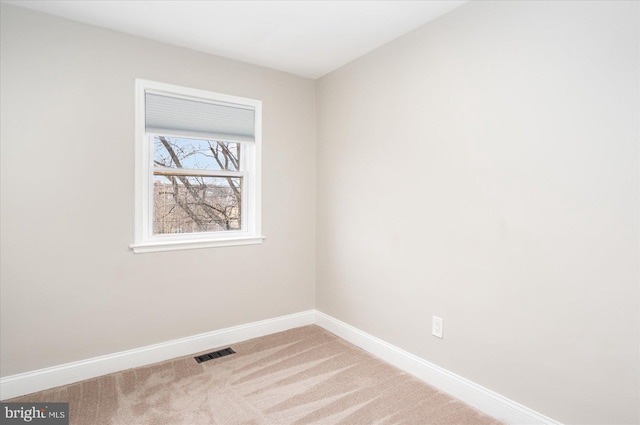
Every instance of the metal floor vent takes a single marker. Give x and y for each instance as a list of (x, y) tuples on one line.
[(214, 355)]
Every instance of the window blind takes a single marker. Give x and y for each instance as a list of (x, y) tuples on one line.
[(199, 118)]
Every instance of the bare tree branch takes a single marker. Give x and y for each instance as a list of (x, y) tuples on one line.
[(199, 211)]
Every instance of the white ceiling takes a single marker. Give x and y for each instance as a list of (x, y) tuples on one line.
[(307, 38)]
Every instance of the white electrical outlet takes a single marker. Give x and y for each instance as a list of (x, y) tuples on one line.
[(436, 326)]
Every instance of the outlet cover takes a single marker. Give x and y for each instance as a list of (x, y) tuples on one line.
[(436, 326)]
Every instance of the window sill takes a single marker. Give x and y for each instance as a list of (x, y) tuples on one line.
[(140, 248)]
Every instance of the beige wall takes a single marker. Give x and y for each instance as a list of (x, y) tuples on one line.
[(71, 288), (484, 168)]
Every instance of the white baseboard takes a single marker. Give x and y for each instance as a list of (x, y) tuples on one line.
[(489, 402), (38, 380), (483, 399)]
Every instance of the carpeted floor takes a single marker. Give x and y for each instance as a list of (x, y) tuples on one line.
[(302, 376)]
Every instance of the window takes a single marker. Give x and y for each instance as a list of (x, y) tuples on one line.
[(197, 169)]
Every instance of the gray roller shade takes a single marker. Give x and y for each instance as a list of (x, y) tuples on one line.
[(188, 117)]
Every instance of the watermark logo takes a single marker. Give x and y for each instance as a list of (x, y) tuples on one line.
[(34, 413)]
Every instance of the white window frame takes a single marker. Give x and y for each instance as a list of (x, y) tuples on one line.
[(145, 240)]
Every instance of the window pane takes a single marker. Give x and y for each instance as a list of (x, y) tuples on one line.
[(190, 204), (176, 152)]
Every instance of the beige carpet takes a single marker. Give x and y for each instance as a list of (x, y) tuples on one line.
[(302, 376)]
